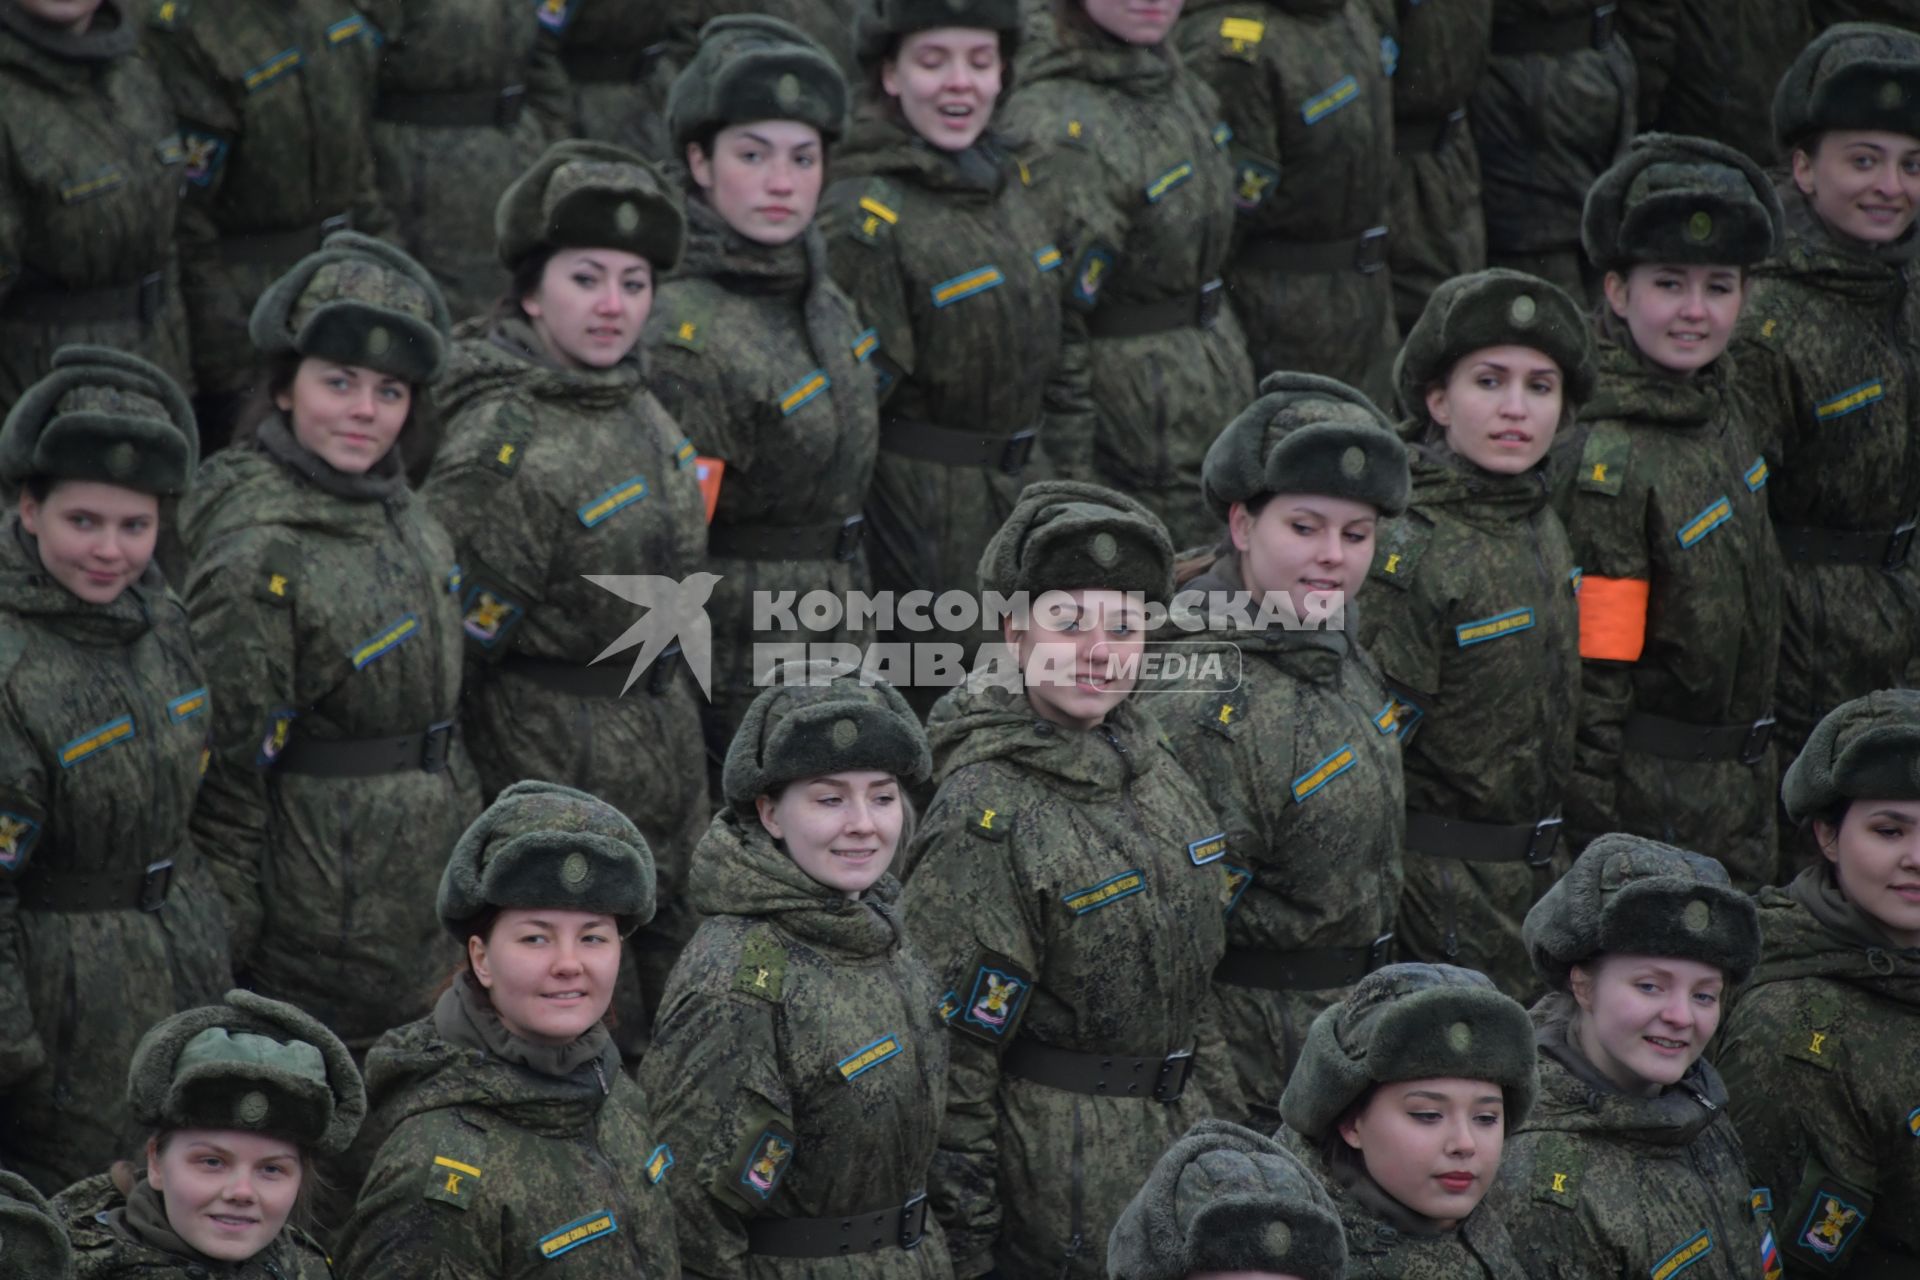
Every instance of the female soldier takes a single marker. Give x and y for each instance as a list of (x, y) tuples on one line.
[(1679, 576), (1822, 1047), (1065, 891), (319, 596), (945, 248), (1825, 349), (761, 357), (509, 1137), (108, 919), (1400, 1103), (1477, 630), (238, 1099), (800, 1063), (91, 192), (1628, 1165), (548, 407), (1300, 479), (1141, 170)]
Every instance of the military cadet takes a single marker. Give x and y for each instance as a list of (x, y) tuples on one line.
[(1476, 628), (510, 1141), (1226, 1201), (1305, 86), (1708, 68), (108, 918), (1554, 109), (238, 1100), (321, 598), (1400, 1104), (799, 1067), (275, 107), (559, 463), (1141, 169), (1066, 889), (1825, 350), (33, 1243), (1629, 1165), (1822, 1049), (89, 192), (1300, 479), (760, 357), (1680, 578), (470, 95), (616, 58)]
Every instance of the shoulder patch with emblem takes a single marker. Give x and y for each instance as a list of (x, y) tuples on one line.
[(512, 428), (762, 972), (1557, 1170), (989, 823), (1091, 267), (769, 1154), (18, 835), (274, 739), (487, 613), (994, 997), (204, 153), (875, 212), (452, 1181), (1832, 1224), (1402, 543), (556, 15), (167, 15), (1603, 463)]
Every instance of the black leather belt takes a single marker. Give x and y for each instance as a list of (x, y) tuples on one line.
[(828, 540), (1367, 254), (1420, 135), (476, 109), (47, 889), (52, 304), (599, 680), (1530, 842), (608, 66), (1556, 35), (1313, 969), (280, 248), (1678, 740), (1163, 1079), (932, 443), (1887, 548), (368, 757), (902, 1227), (1136, 319)]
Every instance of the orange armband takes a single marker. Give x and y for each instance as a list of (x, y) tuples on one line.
[(1613, 618)]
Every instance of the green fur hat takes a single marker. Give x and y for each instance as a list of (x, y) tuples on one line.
[(251, 1063), (1684, 200), (1225, 1198), (540, 844), (881, 22), (1065, 535), (102, 415), (1627, 895), (1307, 434), (357, 301), (33, 1244), (1493, 308), (822, 724), (1867, 749), (590, 195), (1411, 1022), (1853, 75), (751, 67)]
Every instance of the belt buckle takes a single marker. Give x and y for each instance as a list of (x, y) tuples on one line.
[(660, 674), (434, 747), (155, 884), (1897, 547), (851, 531), (153, 293), (1377, 950), (1165, 1087), (1019, 448), (913, 1220), (1603, 21), (1212, 295), (1753, 748), (512, 99), (1539, 853), (1370, 256)]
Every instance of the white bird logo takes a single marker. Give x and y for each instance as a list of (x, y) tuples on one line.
[(676, 610)]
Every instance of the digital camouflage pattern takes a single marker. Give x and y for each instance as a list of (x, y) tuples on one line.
[(275, 104), (617, 62), (799, 1065), (547, 475), (828, 23), (1140, 173), (1471, 616), (1825, 353), (1306, 87), (109, 1242), (430, 175), (1600, 1182), (90, 177), (767, 366), (1671, 493), (103, 722), (1067, 890), (322, 608), (1820, 1053), (1314, 861), (1708, 68)]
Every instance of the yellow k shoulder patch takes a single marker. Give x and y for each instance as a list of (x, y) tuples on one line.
[(989, 823), (451, 1181), (275, 580), (762, 972), (1604, 461)]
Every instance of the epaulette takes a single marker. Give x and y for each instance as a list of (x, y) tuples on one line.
[(762, 971), (1558, 1170), (1603, 463), (506, 443), (167, 15), (455, 1162), (277, 581), (1240, 38), (1401, 546), (989, 824), (1817, 1041), (1225, 715), (876, 212), (684, 325)]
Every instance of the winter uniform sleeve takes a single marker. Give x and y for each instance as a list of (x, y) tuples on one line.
[(1767, 394), (23, 824), (1550, 1224), (859, 226), (1078, 182), (1400, 623), (1650, 30), (427, 1209), (549, 92), (1229, 54), (695, 391), (209, 124)]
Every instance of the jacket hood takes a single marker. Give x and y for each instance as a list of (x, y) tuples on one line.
[(1631, 388), (983, 720), (1810, 930), (1576, 1098), (738, 870), (1814, 255), (28, 591), (489, 357)]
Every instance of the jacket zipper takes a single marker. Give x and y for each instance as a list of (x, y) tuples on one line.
[(1693, 1161)]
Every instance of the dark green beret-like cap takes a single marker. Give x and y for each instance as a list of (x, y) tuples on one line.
[(881, 22), (357, 301), (1307, 434), (251, 1063), (33, 1243), (1494, 308), (1853, 75), (1867, 749), (540, 844), (751, 67), (1066, 535), (1411, 1022), (1681, 200), (1224, 1198), (590, 195), (1627, 895), (102, 415), (819, 724)]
